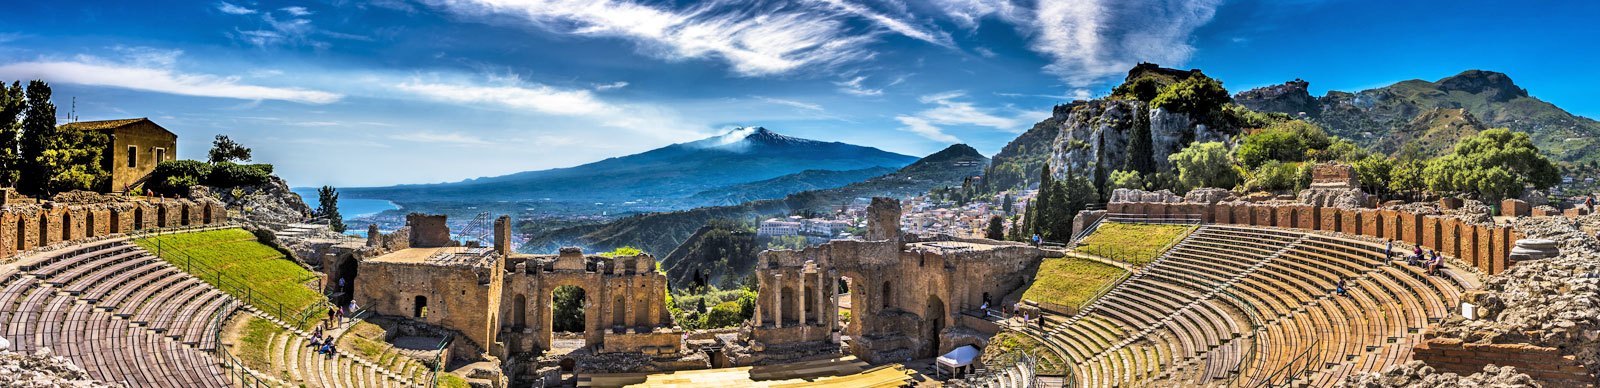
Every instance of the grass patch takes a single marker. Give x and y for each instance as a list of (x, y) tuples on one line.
[(240, 258), (1011, 341), (1137, 244), (447, 380), (255, 343), (1069, 281)]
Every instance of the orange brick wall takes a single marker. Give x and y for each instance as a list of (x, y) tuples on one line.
[(22, 231)]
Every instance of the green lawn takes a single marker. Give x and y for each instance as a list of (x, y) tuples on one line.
[(1137, 244), (1069, 281), (254, 343), (275, 281)]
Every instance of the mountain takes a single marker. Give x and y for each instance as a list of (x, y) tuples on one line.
[(784, 185), (662, 175), (660, 233), (1386, 118)]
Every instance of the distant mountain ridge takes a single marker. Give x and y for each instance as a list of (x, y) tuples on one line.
[(660, 233), (660, 176), (1434, 113)]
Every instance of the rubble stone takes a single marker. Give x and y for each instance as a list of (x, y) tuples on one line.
[(43, 370), (1416, 374)]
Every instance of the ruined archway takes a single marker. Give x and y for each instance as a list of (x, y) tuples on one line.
[(419, 307), (885, 296), (346, 282), (568, 313)]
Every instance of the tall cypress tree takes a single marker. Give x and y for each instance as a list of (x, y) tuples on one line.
[(12, 102), (328, 206), (38, 131)]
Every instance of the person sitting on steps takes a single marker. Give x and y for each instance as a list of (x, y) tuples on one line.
[(1339, 288)]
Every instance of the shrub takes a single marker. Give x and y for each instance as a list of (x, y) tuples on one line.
[(175, 176), (229, 174), (1197, 94), (723, 315)]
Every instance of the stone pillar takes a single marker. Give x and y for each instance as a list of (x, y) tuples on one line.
[(1485, 247), (8, 233), (1448, 229), (1223, 213), (1284, 214), (502, 235), (1466, 248), (1329, 219), (761, 284), (803, 295), (883, 219), (777, 301)]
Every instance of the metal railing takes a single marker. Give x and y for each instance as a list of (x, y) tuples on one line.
[(438, 361), (1289, 372), (234, 287), (1135, 218), (231, 366)]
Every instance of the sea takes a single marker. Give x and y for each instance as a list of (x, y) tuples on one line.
[(350, 208)]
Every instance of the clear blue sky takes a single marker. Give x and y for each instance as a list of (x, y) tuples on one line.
[(354, 93)]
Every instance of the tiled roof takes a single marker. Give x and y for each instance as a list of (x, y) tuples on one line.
[(102, 124)]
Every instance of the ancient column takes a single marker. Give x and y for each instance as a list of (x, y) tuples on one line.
[(777, 300), (762, 285), (803, 295)]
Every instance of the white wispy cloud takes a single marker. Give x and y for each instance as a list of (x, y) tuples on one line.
[(612, 86), (229, 8), (853, 86), (793, 103), (950, 109), (755, 38), (1090, 41), (536, 97), (900, 26), (968, 13), (296, 11), (153, 70), (923, 128), (454, 138)]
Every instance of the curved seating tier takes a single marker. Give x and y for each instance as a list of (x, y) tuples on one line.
[(292, 355), (1238, 305), (122, 314)]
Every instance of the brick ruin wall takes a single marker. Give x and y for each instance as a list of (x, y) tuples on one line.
[(1546, 364), (26, 227), (1484, 246)]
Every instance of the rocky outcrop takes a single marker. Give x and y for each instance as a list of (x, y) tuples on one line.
[(1095, 135), (1135, 195), (1171, 131), (1208, 195), (42, 370), (270, 203), (1339, 198), (1291, 97), (1416, 374), (1498, 86)]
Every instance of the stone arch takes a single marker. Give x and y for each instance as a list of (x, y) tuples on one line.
[(22, 234), (346, 281)]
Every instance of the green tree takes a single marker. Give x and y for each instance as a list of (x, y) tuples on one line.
[(725, 314), (997, 228), (1205, 165), (328, 207), (1375, 172), (12, 103), (1142, 89), (1496, 163), (567, 308), (1273, 176), (57, 159), (623, 251), (1197, 94), (1126, 179), (225, 150), (1007, 204), (1407, 176), (1141, 151)]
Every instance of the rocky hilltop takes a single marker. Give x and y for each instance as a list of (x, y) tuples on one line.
[(1100, 136), (1387, 118)]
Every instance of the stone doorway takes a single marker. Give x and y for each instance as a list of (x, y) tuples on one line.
[(933, 319)]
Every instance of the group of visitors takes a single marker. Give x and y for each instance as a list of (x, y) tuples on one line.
[(1430, 259), (323, 344), (336, 316)]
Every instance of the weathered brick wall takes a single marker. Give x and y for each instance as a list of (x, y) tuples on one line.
[(1515, 208), (1410, 226), (77, 223), (99, 221), (1349, 222), (1544, 363), (25, 228)]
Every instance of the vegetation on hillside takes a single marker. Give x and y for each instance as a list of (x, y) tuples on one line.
[(328, 207), (175, 176), (237, 255), (1069, 281), (1137, 244), (1050, 214)]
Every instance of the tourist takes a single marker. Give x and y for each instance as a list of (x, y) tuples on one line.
[(1037, 242), (316, 341), (352, 309), (985, 308), (1339, 288), (1433, 265), (1388, 251)]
